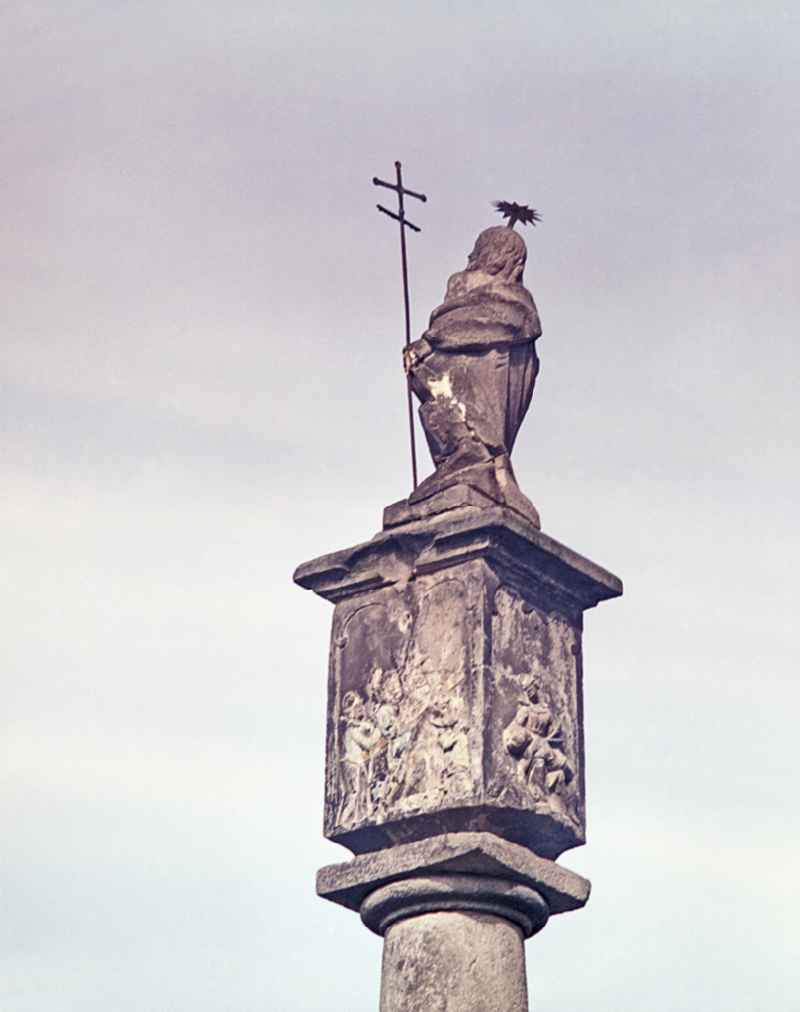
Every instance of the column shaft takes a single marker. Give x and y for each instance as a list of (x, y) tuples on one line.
[(453, 961)]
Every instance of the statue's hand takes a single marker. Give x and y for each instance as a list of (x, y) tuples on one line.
[(414, 353)]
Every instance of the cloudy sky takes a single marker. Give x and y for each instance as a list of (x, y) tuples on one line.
[(201, 323)]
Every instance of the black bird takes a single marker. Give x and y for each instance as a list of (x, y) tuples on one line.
[(517, 212)]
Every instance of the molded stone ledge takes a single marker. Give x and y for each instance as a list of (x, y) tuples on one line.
[(547, 833), (463, 894), (399, 554), (479, 854), (457, 497)]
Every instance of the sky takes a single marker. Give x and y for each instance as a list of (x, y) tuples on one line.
[(201, 329)]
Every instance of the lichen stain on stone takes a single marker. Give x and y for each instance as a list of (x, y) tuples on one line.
[(418, 978), (443, 388), (453, 962)]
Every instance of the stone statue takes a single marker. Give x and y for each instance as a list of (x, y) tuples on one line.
[(474, 371), (454, 733)]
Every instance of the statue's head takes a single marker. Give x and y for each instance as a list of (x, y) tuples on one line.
[(532, 690), (392, 687), (353, 707), (499, 251)]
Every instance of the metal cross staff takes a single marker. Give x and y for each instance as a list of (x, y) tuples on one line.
[(401, 191)]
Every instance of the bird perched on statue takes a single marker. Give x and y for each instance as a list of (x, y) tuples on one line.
[(517, 212)]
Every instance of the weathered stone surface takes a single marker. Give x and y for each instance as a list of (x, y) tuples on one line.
[(454, 760), (454, 941), (452, 961), (474, 370), (398, 554), (455, 683), (462, 498), (484, 894), (455, 854)]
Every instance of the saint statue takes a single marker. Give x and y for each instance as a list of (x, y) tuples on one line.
[(474, 371)]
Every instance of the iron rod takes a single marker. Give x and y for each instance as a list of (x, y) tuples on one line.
[(397, 217), (398, 167)]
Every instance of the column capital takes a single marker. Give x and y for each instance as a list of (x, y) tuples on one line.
[(479, 894), (359, 884)]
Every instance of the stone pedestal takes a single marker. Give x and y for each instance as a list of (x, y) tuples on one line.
[(454, 761)]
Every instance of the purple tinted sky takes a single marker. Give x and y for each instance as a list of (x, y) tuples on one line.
[(201, 329)]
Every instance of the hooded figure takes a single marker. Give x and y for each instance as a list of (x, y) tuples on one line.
[(474, 370)]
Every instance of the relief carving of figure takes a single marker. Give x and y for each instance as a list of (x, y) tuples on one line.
[(474, 371), (400, 753), (535, 739), (449, 718), (388, 768), (361, 737)]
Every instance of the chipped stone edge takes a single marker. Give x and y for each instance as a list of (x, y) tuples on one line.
[(398, 554), (349, 883)]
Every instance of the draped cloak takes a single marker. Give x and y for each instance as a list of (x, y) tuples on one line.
[(474, 370)]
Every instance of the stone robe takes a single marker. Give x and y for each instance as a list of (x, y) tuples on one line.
[(474, 370)]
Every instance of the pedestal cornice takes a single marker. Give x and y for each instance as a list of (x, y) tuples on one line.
[(520, 551)]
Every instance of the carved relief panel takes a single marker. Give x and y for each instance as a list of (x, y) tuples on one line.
[(534, 723), (454, 705), (402, 740)]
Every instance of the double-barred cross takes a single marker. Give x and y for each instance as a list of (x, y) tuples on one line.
[(401, 192)]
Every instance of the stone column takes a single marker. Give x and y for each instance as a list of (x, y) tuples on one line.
[(454, 941), (451, 942), (454, 911), (455, 766)]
